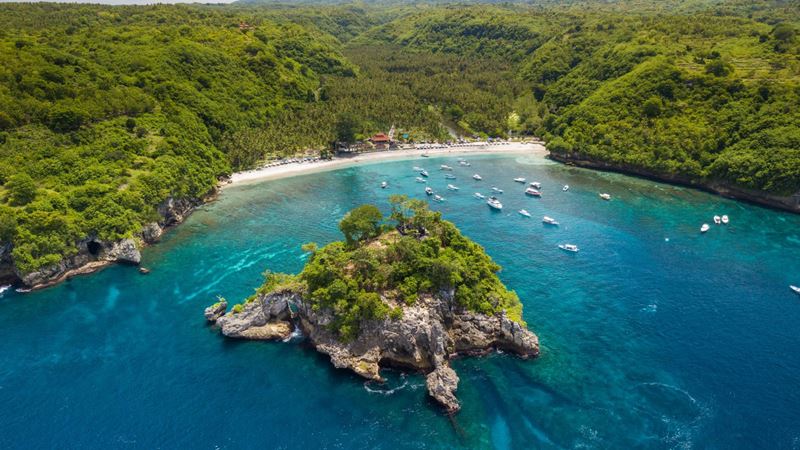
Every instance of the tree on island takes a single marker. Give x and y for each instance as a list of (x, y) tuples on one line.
[(361, 224)]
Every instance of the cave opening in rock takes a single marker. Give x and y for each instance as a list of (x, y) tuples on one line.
[(94, 248)]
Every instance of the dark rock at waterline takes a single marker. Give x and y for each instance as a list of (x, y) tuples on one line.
[(216, 310), (425, 338)]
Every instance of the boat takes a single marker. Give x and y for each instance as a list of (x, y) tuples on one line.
[(494, 203), (725, 220), (450, 177), (533, 192), (452, 188), (425, 155), (479, 195), (421, 180), (438, 198), (497, 190), (569, 247), (519, 180), (477, 177), (424, 173), (418, 169), (536, 185), (565, 188), (384, 185), (524, 213), (445, 167), (464, 163), (549, 220), (605, 196), (717, 220), (429, 191), (794, 288), (704, 228)]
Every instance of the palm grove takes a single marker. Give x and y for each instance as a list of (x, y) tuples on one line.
[(106, 112)]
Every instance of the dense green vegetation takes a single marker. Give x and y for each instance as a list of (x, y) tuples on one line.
[(105, 112), (386, 262)]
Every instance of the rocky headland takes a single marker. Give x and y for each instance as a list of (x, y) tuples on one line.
[(353, 302)]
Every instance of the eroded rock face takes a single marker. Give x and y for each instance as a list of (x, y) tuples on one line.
[(430, 333), (216, 310)]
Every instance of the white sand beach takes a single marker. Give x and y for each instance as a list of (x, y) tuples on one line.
[(298, 168)]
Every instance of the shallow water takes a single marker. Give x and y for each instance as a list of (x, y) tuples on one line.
[(653, 336)]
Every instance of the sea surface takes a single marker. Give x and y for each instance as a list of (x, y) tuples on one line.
[(653, 335)]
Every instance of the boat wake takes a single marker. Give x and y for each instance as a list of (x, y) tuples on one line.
[(296, 334)]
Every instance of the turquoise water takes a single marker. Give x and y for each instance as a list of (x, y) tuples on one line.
[(653, 336)]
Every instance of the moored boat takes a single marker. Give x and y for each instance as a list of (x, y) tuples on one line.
[(497, 190), (717, 220), (464, 163), (704, 228), (569, 247), (477, 177), (536, 185), (438, 198), (421, 180), (725, 220), (523, 212), (450, 177), (429, 191), (533, 192), (424, 173), (445, 167), (452, 188), (494, 203), (549, 220), (519, 180), (418, 169), (794, 288), (479, 195), (605, 196), (384, 184), (565, 188)]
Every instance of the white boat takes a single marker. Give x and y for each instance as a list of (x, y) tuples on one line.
[(794, 288), (533, 192), (452, 188), (494, 203), (605, 196), (549, 220), (479, 195), (438, 198), (497, 190), (418, 169), (717, 220), (445, 167), (569, 247), (450, 177), (704, 228), (424, 173), (421, 180), (524, 213), (464, 163), (519, 180), (565, 188), (429, 191), (536, 185), (725, 220), (477, 177), (384, 185)]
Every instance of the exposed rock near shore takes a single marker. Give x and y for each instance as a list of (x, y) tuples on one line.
[(429, 334), (789, 203), (93, 254)]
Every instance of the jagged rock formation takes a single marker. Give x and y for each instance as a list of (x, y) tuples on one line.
[(428, 335)]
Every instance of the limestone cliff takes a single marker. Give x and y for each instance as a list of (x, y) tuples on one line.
[(429, 334)]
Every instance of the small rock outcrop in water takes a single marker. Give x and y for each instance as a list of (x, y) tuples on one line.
[(423, 329)]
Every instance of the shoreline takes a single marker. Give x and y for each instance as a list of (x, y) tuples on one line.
[(302, 168)]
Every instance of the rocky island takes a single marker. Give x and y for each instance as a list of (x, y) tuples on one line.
[(408, 291)]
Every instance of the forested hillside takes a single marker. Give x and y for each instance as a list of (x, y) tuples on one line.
[(106, 112)]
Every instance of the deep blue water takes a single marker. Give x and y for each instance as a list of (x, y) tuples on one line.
[(653, 336)]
